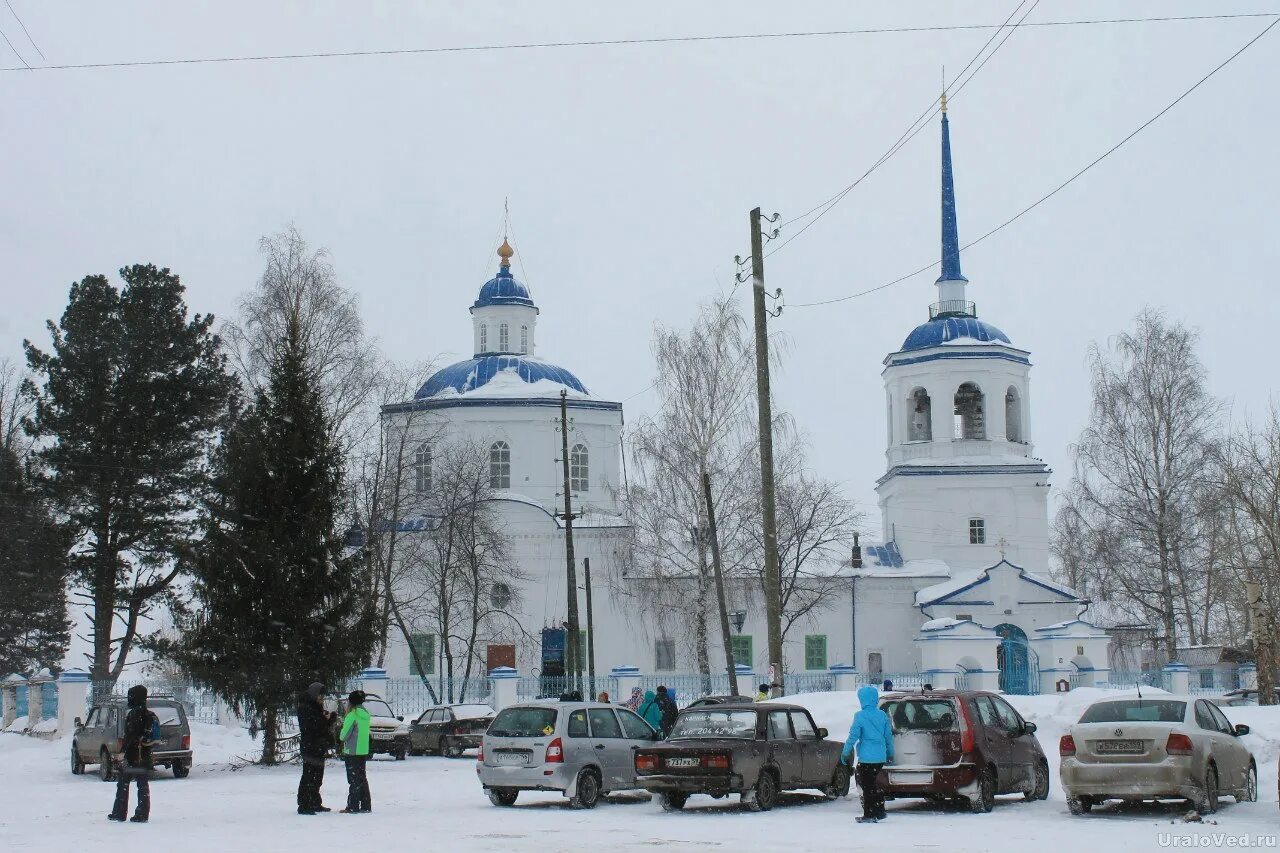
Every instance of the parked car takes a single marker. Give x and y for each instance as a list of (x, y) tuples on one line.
[(1243, 696), (721, 700), (388, 734), (960, 744), (1164, 747), (449, 729), (582, 749), (99, 738), (754, 750)]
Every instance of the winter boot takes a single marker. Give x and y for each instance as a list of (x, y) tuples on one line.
[(137, 819), (867, 819)]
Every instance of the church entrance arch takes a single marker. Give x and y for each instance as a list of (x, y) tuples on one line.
[(1018, 663)]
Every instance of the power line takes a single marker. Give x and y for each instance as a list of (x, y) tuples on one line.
[(280, 57), (1060, 186), (15, 53), (14, 12)]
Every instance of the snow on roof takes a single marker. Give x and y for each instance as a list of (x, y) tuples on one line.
[(507, 383), (909, 569), (950, 587), (942, 624)]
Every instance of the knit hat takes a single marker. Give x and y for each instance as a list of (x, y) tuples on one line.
[(315, 690)]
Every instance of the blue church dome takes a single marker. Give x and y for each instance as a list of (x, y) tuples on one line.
[(946, 329), (467, 376), (503, 288)]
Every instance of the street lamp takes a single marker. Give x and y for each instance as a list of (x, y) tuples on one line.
[(737, 620)]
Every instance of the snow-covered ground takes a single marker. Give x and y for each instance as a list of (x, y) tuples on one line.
[(436, 804)]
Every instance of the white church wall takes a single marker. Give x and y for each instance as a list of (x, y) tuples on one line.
[(887, 622), (1007, 598)]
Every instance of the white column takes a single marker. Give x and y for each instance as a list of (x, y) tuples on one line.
[(73, 697), (503, 684), (1179, 675), (844, 677), (627, 677), (1249, 675), (373, 679), (227, 718)]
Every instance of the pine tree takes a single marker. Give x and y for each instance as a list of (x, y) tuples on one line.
[(132, 395), (34, 629), (278, 606)]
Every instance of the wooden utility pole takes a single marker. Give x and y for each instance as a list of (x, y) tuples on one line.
[(725, 637), (772, 582), (591, 634), (573, 668)]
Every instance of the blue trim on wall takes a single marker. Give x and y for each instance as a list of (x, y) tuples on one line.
[(908, 470), (499, 402), (892, 360)]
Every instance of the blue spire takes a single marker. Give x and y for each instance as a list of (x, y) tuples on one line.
[(950, 235)]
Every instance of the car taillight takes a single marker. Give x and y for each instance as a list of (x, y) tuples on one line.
[(966, 727), (480, 751), (716, 762), (555, 752), (186, 741), (646, 762), (1178, 744), (1067, 745)]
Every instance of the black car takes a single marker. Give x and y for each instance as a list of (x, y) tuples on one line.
[(756, 750), (449, 729), (721, 700)]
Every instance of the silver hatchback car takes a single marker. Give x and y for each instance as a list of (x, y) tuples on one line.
[(582, 749)]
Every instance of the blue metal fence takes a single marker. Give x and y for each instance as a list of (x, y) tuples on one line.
[(807, 682), (49, 700), (20, 700), (1127, 680), (408, 697), (533, 687)]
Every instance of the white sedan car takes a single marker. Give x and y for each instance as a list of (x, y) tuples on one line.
[(1161, 747)]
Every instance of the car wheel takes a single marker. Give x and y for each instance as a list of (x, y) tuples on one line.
[(1206, 802), (77, 766), (985, 799), (587, 792), (1250, 792), (106, 770), (502, 796), (1040, 791), (181, 769), (765, 793), (839, 786), (1079, 805), (451, 748), (673, 801)]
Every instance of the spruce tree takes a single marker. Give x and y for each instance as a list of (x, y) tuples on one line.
[(34, 629), (278, 607), (131, 397)]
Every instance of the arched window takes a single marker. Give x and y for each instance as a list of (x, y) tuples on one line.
[(579, 474), (969, 420), (500, 465), (524, 339), (422, 469), (1012, 415), (484, 337), (502, 338), (920, 416), (500, 596)]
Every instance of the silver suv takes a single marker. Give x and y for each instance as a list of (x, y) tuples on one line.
[(582, 749)]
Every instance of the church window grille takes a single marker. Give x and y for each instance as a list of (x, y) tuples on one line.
[(422, 470), (969, 421), (579, 470), (664, 655), (500, 465), (503, 338), (500, 596), (524, 339), (484, 337), (977, 531), (920, 417), (815, 651), (1013, 415)]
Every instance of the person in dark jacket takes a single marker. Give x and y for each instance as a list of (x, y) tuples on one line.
[(315, 735), (140, 729), (667, 705)]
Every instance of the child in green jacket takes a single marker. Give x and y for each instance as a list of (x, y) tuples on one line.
[(354, 737)]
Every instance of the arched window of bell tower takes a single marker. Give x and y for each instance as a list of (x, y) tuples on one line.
[(919, 416), (1013, 415), (970, 422)]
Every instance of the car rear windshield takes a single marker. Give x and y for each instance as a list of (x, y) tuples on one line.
[(471, 712), (523, 722), (168, 715), (1136, 711), (377, 708), (707, 722), (929, 715)]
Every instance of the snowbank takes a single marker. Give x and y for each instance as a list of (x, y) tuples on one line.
[(19, 725)]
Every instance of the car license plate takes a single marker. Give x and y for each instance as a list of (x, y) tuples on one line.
[(910, 777), (683, 762), (1121, 747), (508, 759), (382, 735)]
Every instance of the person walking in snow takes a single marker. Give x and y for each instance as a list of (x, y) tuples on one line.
[(651, 711), (355, 752), (872, 735), (141, 730), (637, 696), (667, 705), (315, 734)]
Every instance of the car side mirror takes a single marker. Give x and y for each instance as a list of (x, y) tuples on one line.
[(1241, 729), (401, 719), (1029, 728), (78, 723), (822, 734)]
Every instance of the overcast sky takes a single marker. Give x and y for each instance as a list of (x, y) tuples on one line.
[(631, 169)]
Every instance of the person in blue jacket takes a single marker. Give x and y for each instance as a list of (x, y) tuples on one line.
[(872, 735)]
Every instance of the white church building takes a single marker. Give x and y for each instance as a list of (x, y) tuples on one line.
[(958, 593)]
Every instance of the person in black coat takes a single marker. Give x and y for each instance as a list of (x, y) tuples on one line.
[(315, 736), (140, 726), (667, 706)]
